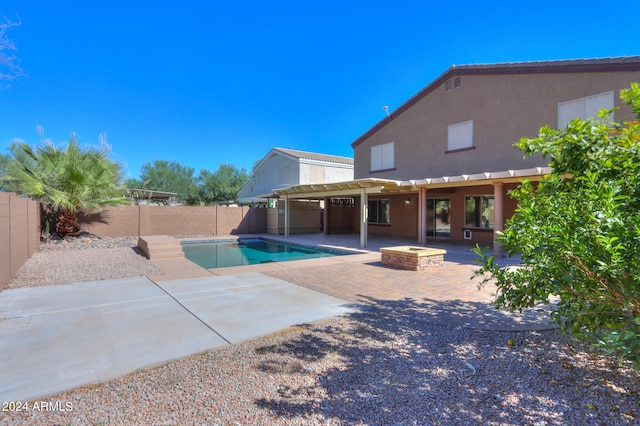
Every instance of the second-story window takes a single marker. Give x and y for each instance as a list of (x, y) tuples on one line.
[(584, 108), (460, 136), (382, 157)]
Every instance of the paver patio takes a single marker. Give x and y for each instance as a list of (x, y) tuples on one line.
[(445, 295)]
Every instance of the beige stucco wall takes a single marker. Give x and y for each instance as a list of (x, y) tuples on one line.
[(503, 108)]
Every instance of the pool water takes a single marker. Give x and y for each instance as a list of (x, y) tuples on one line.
[(249, 252)]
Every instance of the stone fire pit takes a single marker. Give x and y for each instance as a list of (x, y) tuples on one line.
[(412, 258)]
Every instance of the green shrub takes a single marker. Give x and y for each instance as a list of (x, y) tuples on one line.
[(578, 232)]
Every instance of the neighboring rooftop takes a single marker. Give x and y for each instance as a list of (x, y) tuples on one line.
[(314, 156), (150, 195)]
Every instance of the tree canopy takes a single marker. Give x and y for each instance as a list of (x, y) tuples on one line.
[(4, 162), (222, 185), (170, 176), (578, 232), (9, 65)]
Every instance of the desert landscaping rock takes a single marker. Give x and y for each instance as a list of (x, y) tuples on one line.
[(380, 366), (83, 259)]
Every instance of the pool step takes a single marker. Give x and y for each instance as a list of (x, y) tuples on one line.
[(160, 247)]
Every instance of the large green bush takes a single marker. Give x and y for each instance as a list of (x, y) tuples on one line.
[(578, 232)]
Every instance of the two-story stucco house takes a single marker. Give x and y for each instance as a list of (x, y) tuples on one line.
[(441, 164)]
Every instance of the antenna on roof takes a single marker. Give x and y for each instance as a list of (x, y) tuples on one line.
[(386, 109)]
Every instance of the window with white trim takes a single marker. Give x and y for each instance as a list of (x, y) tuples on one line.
[(382, 156), (460, 136), (584, 108), (378, 211)]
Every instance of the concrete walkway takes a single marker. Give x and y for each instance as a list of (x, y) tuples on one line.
[(59, 337)]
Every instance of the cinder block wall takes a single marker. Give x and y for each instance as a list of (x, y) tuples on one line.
[(176, 220), (20, 225), (116, 222), (19, 233)]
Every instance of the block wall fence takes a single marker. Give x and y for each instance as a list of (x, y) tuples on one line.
[(21, 224), (19, 233), (175, 220)]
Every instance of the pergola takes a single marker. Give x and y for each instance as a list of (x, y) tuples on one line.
[(366, 186), (358, 187)]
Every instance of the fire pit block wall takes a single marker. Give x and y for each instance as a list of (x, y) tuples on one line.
[(412, 258)]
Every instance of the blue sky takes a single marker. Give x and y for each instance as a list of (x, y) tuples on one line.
[(209, 82)]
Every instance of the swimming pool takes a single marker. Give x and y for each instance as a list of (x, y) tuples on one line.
[(249, 252)]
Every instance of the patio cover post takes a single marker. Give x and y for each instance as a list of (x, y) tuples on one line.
[(364, 215), (422, 216), (325, 216), (498, 217), (286, 215)]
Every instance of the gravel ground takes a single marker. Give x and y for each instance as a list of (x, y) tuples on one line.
[(93, 259), (381, 366)]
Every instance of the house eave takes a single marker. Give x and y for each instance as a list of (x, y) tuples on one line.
[(617, 64)]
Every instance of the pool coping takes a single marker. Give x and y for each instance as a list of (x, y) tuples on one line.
[(180, 268), (338, 251)]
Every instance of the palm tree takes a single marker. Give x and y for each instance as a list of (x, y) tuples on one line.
[(66, 180)]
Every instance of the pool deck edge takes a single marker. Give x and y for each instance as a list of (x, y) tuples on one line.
[(181, 268)]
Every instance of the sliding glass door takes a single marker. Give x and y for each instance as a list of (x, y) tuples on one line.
[(438, 224)]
